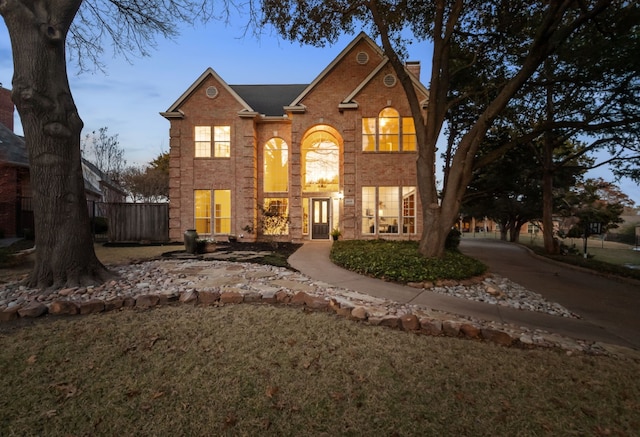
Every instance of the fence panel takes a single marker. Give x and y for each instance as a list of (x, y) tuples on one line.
[(137, 221)]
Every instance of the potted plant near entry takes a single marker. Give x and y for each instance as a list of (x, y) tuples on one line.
[(335, 233)]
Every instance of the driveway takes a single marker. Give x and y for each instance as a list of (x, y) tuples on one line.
[(612, 304)]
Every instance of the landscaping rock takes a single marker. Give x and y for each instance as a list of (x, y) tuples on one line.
[(495, 336), (146, 301), (451, 328), (34, 309), (231, 297), (8, 314), (206, 297), (431, 326), (410, 322), (470, 331), (190, 296), (63, 307), (359, 313), (92, 306)]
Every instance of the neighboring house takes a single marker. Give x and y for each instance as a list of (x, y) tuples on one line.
[(15, 209), (99, 187), (16, 213), (339, 152)]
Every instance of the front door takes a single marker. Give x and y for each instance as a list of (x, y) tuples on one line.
[(320, 219)]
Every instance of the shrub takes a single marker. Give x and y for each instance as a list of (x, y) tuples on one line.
[(453, 240), (400, 261)]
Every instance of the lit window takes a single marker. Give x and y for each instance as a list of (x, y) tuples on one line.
[(382, 208), (202, 211), (320, 161), (275, 217), (222, 141), (202, 141), (388, 210), (408, 210), (276, 166), (222, 211), (305, 217), (409, 140), (388, 132), (369, 134), (368, 210)]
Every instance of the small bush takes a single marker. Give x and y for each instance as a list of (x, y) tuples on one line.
[(453, 240), (100, 225), (400, 261)]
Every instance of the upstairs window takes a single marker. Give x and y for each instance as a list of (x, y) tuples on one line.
[(388, 132), (221, 141), (203, 141)]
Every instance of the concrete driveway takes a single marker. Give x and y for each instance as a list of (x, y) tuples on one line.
[(609, 303)]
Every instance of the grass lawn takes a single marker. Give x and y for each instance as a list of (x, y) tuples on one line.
[(263, 370)]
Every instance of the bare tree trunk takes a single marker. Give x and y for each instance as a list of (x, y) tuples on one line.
[(52, 128)]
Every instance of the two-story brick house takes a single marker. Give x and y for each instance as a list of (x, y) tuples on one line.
[(339, 152)]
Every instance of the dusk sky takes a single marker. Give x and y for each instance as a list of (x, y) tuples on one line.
[(128, 97)]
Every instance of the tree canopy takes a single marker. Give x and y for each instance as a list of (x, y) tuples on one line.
[(485, 54)]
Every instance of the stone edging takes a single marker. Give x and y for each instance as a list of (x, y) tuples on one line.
[(420, 324)]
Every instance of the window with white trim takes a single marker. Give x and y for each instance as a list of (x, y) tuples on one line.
[(388, 132), (388, 210), (221, 141)]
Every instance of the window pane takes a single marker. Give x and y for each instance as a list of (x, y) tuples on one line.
[(275, 218), (202, 211), (276, 166), (409, 140), (388, 209), (305, 216), (202, 136), (389, 129), (222, 141), (368, 210), (408, 210), (320, 162), (222, 211), (369, 134)]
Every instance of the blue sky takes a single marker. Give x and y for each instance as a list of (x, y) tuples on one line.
[(127, 97)]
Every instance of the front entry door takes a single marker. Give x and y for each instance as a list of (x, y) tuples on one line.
[(320, 219)]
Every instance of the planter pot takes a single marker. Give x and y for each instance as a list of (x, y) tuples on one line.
[(191, 241)]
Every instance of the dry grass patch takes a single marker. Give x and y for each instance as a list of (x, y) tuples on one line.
[(262, 370)]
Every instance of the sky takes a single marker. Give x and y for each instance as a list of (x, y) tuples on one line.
[(128, 96)]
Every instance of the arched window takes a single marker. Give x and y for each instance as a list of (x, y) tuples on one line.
[(320, 160), (276, 166), (388, 132)]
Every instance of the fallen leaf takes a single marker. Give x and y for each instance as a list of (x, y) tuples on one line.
[(50, 413), (32, 359), (230, 420), (157, 395), (271, 391)]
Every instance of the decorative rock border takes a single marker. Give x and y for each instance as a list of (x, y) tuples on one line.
[(219, 283)]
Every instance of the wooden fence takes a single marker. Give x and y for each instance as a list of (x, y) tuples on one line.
[(136, 221)]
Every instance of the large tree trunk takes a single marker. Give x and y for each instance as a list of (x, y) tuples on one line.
[(52, 128), (550, 246)]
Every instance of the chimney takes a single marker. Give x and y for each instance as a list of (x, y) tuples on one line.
[(6, 108), (414, 68)]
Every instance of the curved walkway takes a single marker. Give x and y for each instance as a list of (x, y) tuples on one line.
[(609, 308)]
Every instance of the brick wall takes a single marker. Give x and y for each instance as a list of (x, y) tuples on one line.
[(242, 173), (6, 108)]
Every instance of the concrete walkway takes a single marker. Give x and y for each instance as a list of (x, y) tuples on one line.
[(609, 308)]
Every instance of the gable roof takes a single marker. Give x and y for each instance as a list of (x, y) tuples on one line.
[(295, 105), (269, 100), (349, 103), (174, 110), (12, 148)]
